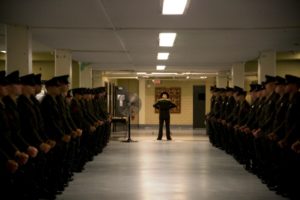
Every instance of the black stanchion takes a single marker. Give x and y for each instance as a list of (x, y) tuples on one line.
[(129, 131)]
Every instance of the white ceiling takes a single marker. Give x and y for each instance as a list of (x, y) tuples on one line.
[(123, 34)]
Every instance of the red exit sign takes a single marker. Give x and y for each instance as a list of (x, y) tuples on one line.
[(156, 81)]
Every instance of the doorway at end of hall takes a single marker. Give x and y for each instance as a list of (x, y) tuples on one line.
[(198, 106)]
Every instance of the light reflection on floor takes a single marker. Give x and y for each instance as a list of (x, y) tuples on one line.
[(186, 168)]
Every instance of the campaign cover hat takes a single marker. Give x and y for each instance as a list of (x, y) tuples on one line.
[(280, 80), (291, 79), (51, 82), (3, 80), (270, 79), (13, 77), (63, 79), (28, 79), (38, 79)]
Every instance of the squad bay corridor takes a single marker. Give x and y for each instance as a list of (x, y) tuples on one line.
[(186, 168)]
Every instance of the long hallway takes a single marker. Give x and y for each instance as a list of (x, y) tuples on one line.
[(183, 169)]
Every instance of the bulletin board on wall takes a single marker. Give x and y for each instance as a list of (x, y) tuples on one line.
[(175, 97)]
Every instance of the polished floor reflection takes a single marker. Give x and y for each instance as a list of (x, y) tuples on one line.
[(186, 168)]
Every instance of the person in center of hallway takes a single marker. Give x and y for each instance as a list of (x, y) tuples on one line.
[(164, 105)]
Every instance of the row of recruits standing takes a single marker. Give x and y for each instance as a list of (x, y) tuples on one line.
[(263, 136), (43, 142)]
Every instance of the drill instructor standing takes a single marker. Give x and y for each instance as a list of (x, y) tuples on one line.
[(164, 105)]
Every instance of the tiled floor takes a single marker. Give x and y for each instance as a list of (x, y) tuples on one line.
[(186, 168)]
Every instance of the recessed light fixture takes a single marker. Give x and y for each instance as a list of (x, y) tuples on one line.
[(160, 67), (174, 7), (3, 51), (166, 39), (162, 56), (203, 77)]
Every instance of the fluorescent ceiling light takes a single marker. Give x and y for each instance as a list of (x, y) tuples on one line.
[(198, 73), (166, 39), (162, 56), (124, 77), (160, 67), (163, 73), (3, 51), (203, 77), (141, 73), (118, 73), (174, 7)]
